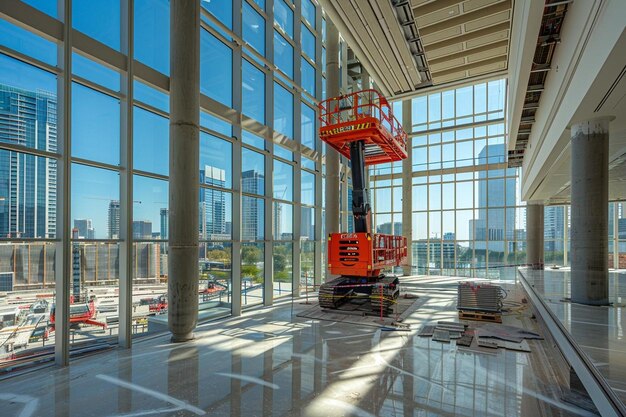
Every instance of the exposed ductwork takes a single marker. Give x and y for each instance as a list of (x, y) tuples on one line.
[(549, 37)]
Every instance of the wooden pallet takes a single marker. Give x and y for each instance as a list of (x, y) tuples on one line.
[(480, 316)]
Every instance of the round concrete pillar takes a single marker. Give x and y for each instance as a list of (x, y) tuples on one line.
[(590, 192), (534, 236), (184, 169)]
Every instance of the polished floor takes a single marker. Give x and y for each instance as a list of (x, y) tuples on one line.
[(272, 363), (599, 331)]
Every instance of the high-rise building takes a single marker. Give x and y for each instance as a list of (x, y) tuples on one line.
[(85, 229), (449, 236), (389, 228), (277, 226), (114, 219), (164, 223), (252, 222), (212, 204), (307, 228), (494, 222), (28, 184), (553, 232), (142, 229)]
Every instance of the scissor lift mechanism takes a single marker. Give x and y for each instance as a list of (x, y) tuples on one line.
[(361, 126)]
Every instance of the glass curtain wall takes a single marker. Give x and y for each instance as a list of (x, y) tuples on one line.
[(107, 113), (557, 235), (468, 219)]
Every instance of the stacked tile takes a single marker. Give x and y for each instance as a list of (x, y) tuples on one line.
[(479, 297)]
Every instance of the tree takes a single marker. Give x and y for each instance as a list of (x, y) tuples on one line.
[(250, 254), (280, 262), (251, 271), (282, 276)]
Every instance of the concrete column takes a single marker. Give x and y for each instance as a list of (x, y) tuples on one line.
[(590, 196), (332, 156), (534, 236), (184, 168), (63, 254), (407, 188)]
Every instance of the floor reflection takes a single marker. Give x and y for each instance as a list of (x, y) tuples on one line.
[(272, 363), (598, 330)]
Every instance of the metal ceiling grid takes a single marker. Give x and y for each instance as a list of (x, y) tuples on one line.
[(463, 39)]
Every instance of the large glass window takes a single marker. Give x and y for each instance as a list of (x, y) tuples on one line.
[(283, 15), (150, 208), (307, 223), (252, 140), (216, 124), (221, 9), (253, 172), (215, 209), (216, 161), (308, 133), (92, 71), (252, 273), (283, 269), (464, 222), (308, 77), (98, 19), (253, 91), (100, 172), (95, 125), (215, 279), (253, 28), (27, 43), (28, 190), (252, 218), (216, 81), (49, 7), (308, 12), (308, 42), (308, 188), (95, 199), (283, 181), (283, 54), (151, 142), (283, 110), (28, 99), (151, 96), (152, 34), (282, 221)]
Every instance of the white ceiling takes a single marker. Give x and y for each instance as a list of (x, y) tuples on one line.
[(605, 97), (461, 39)]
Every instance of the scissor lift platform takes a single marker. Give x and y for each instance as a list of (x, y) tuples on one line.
[(366, 116)]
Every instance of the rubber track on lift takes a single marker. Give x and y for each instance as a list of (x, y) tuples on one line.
[(389, 285), (332, 294)]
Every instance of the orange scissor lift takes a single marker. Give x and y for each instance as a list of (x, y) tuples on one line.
[(361, 126)]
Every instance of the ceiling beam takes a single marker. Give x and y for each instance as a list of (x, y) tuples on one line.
[(473, 65), (465, 18), (466, 52), (468, 36), (433, 6), (337, 15)]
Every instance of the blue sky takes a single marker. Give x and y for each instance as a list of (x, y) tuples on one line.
[(96, 133), (96, 116)]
